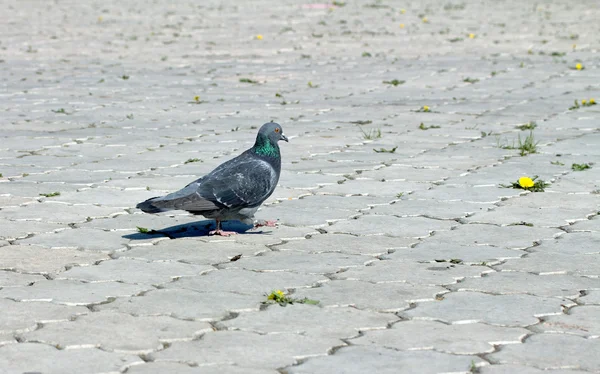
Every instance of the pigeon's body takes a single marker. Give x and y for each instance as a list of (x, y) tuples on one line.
[(235, 189)]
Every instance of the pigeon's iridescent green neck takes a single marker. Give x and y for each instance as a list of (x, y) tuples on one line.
[(265, 147)]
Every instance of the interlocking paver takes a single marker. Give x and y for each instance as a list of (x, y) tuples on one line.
[(577, 352), (250, 349), (464, 339), (405, 121), (502, 310), (360, 359), (118, 332)]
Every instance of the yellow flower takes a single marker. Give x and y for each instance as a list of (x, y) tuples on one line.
[(425, 20), (579, 66), (401, 25), (425, 108), (583, 102), (276, 295), (526, 182), (402, 11), (196, 98), (471, 36), (592, 101), (259, 37)]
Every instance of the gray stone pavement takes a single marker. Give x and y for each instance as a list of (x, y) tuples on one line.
[(420, 260)]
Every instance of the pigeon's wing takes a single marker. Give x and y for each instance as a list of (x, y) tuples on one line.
[(187, 198), (244, 182)]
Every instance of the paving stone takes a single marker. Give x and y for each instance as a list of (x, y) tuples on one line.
[(84, 239), (69, 292), (118, 332), (367, 187), (17, 358), (179, 368), (357, 359), (558, 263), (20, 317), (512, 237), (437, 251), (185, 304), (12, 279), (193, 251), (12, 230), (501, 310), (510, 368), (462, 339), (430, 208), (349, 244), (303, 213), (575, 352), (42, 260), (581, 321), (309, 263), (131, 222), (412, 272), (391, 297), (272, 350), (509, 282), (57, 213), (591, 297), (247, 282), (469, 194), (134, 271), (310, 320), (410, 227)]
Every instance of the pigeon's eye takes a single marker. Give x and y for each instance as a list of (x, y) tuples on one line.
[(277, 129)]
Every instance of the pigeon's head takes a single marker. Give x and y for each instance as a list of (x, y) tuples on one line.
[(273, 132)]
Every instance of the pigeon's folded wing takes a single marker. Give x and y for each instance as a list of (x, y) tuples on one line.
[(245, 183)]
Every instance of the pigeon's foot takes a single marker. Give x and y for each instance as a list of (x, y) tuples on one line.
[(222, 233), (261, 223)]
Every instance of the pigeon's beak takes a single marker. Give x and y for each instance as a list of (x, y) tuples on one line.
[(283, 137)]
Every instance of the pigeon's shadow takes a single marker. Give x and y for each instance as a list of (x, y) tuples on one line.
[(192, 229)]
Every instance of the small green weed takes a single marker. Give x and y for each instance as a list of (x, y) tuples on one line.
[(423, 127), (51, 194), (383, 150), (580, 167), (394, 82)]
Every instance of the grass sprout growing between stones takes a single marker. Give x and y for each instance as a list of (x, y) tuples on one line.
[(557, 163), (248, 80), (528, 184), (470, 80), (372, 134), (528, 126), (423, 127), (581, 167), (190, 160), (394, 82), (279, 297), (51, 194), (383, 150), (143, 230), (527, 146)]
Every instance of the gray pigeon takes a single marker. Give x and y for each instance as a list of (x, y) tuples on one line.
[(235, 189)]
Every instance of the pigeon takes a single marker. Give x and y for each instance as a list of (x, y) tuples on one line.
[(235, 189)]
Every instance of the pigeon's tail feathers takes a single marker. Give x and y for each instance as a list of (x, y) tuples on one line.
[(152, 206)]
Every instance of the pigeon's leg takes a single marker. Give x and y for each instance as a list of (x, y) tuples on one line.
[(218, 231), (262, 222)]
